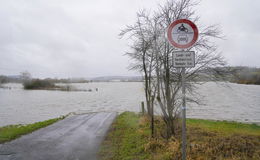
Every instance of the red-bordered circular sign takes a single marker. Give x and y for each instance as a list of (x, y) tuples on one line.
[(182, 33)]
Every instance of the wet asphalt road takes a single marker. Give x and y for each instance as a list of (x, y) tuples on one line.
[(75, 138)]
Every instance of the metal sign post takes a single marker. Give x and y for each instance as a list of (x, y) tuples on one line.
[(183, 114), (183, 34)]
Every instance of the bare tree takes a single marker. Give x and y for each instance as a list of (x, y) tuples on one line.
[(25, 76), (144, 57), (153, 54)]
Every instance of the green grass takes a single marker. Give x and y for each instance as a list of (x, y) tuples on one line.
[(129, 139), (8, 133), (225, 127), (124, 142)]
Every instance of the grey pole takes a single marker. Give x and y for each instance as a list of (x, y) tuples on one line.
[(183, 114)]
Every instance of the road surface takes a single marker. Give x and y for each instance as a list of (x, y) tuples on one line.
[(75, 138)]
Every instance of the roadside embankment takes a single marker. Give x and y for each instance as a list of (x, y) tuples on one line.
[(10, 132), (129, 138)]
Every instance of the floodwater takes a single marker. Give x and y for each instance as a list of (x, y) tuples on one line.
[(234, 102)]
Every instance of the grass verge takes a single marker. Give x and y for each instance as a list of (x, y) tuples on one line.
[(225, 127), (129, 139), (8, 133)]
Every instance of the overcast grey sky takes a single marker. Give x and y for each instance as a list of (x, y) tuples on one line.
[(79, 38)]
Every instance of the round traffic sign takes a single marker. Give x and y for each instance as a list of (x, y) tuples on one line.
[(182, 33)]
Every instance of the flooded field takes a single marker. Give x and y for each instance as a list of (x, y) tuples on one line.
[(233, 102)]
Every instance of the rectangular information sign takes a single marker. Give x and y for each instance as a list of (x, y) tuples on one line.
[(183, 59)]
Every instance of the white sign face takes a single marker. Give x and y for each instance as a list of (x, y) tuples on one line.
[(183, 59), (182, 33)]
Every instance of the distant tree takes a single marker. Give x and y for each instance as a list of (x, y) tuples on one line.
[(3, 79), (25, 76)]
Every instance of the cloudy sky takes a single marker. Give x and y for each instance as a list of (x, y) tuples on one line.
[(79, 38)]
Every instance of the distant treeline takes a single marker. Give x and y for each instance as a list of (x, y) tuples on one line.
[(239, 74), (20, 79), (246, 75), (7, 79)]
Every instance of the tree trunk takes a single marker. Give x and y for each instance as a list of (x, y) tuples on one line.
[(170, 128)]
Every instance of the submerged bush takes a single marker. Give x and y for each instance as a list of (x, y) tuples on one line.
[(38, 84)]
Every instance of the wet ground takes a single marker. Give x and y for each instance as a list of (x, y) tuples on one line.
[(76, 137)]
